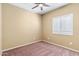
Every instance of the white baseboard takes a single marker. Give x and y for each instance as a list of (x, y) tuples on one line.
[(39, 41), (20, 46), (62, 46)]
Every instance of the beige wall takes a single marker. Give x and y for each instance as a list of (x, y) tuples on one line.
[(0, 29), (62, 39), (19, 26), (23, 27)]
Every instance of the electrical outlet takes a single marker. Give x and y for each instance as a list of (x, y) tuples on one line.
[(48, 38), (70, 43)]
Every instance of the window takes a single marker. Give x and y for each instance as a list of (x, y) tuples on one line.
[(63, 24)]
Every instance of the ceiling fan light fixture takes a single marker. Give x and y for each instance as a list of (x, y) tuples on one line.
[(40, 5)]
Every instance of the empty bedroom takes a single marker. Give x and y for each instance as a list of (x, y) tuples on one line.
[(39, 29)]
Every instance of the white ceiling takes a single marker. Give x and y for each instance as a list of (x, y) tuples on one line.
[(28, 6)]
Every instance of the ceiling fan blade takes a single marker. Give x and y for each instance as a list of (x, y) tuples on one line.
[(45, 5), (41, 8), (35, 6)]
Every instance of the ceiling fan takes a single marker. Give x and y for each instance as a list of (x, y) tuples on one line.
[(41, 5)]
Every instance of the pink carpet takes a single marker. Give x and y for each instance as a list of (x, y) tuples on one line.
[(40, 49)]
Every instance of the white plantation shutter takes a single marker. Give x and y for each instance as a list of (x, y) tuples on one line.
[(63, 24), (56, 25)]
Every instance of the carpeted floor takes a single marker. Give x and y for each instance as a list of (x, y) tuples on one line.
[(40, 49)]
